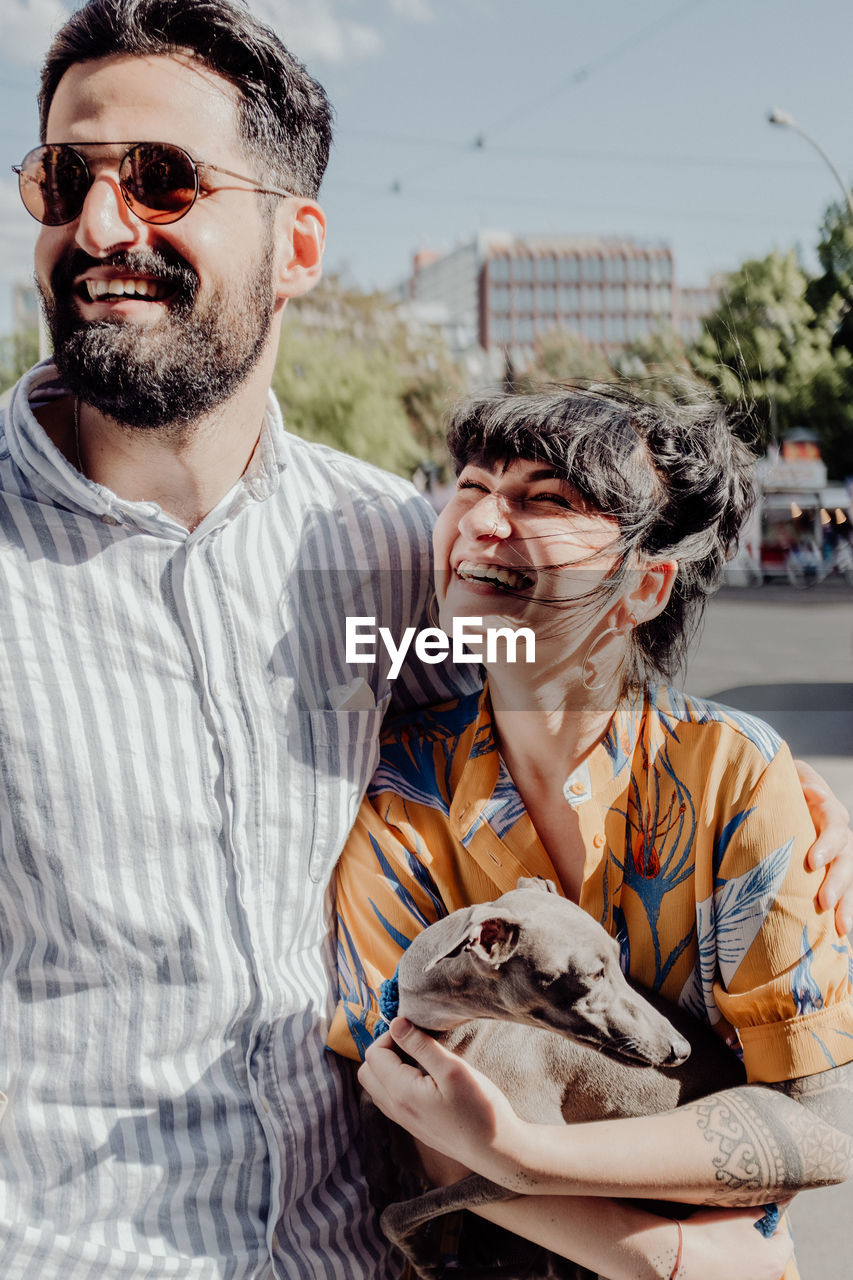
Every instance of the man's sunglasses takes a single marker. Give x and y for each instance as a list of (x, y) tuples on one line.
[(158, 180)]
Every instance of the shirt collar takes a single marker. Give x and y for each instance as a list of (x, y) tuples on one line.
[(50, 472), (600, 776)]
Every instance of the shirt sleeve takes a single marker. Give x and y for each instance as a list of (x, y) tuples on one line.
[(384, 896), (784, 977)]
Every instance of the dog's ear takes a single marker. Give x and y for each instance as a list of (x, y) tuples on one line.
[(494, 940), (537, 882)]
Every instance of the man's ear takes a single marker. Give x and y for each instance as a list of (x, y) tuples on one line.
[(650, 595), (301, 244)]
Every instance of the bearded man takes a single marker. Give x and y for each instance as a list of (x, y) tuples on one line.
[(184, 746)]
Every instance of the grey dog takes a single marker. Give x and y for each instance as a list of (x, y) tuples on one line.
[(529, 990)]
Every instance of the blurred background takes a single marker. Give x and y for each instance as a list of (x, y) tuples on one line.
[(562, 189)]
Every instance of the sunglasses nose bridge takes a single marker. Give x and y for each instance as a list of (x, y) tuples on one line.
[(106, 221)]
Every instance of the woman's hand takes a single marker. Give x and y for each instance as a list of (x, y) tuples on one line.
[(725, 1242), (454, 1109), (833, 847)]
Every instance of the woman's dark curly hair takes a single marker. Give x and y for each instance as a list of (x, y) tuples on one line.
[(675, 477)]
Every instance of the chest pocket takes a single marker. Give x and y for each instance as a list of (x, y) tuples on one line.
[(346, 750)]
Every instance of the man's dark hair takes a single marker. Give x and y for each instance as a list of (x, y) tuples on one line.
[(676, 478), (285, 118)]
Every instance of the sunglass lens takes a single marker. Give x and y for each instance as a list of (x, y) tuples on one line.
[(53, 183), (159, 181)]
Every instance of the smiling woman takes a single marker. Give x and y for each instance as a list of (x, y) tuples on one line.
[(602, 522)]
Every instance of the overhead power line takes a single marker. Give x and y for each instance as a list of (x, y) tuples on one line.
[(578, 76)]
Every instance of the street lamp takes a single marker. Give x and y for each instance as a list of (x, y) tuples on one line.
[(784, 118)]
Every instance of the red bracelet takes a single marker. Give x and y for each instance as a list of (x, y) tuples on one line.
[(677, 1266)]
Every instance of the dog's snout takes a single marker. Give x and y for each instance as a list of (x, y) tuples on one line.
[(678, 1053)]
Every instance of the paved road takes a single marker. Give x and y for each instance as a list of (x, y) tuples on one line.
[(788, 656)]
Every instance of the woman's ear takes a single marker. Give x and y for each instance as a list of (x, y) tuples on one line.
[(653, 587), (302, 239)]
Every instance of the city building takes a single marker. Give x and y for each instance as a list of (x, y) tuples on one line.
[(506, 292)]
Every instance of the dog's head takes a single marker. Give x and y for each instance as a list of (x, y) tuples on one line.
[(533, 957)]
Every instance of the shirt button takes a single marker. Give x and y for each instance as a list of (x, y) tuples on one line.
[(598, 839), (577, 788), (265, 1104), (275, 1241)]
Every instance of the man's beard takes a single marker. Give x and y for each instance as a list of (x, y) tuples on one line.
[(171, 372)]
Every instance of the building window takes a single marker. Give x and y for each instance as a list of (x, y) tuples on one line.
[(661, 300), (499, 298), (523, 331), (499, 332), (592, 269), (615, 296), (639, 270), (546, 298), (546, 269), (522, 297), (592, 297), (661, 270), (614, 269), (569, 298), (522, 269), (569, 270), (544, 324), (499, 270), (615, 328), (591, 328)]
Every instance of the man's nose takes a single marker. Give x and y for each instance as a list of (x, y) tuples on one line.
[(106, 223), (488, 518)]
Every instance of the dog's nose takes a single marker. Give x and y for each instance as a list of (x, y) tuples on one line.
[(679, 1052)]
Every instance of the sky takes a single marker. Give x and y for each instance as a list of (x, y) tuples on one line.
[(612, 118)]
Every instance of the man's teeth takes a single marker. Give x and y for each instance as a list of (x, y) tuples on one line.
[(124, 289), (473, 572)]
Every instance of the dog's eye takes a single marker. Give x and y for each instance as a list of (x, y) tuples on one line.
[(596, 975)]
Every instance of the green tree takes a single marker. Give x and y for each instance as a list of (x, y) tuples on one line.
[(660, 364), (831, 292), (562, 356), (353, 374), (18, 352), (339, 394), (766, 346)]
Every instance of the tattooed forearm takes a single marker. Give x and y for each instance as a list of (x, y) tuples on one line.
[(828, 1096), (775, 1141)]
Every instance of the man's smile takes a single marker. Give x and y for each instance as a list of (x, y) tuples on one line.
[(100, 290)]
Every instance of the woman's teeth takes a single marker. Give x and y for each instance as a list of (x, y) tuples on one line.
[(470, 571), (97, 289)]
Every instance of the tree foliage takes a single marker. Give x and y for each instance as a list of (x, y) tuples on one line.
[(766, 345), (353, 374), (18, 352), (563, 356)]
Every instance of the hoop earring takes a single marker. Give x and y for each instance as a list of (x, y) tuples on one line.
[(432, 611), (623, 631)]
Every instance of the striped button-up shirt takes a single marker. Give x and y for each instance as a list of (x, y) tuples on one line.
[(183, 748)]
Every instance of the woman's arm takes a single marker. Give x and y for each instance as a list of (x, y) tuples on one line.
[(619, 1239), (743, 1146)]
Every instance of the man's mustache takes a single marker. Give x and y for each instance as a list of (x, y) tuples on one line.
[(170, 269)]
